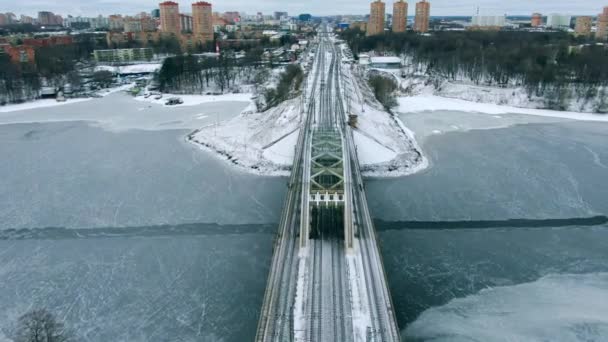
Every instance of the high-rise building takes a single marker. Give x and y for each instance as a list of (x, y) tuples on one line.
[(155, 13), (305, 17), (602, 26), (11, 18), (279, 15), (399, 16), (559, 21), (132, 25), (148, 24), (583, 26), (376, 18), (232, 17), (58, 20), (100, 22), (202, 20), (361, 25), (169, 17), (116, 22), (26, 19), (423, 14), (537, 20), (495, 21), (46, 18)]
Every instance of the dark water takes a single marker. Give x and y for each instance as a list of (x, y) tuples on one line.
[(537, 206)]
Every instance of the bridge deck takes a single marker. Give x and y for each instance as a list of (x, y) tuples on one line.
[(331, 286)]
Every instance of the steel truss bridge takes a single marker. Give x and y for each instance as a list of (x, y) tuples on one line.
[(327, 280)]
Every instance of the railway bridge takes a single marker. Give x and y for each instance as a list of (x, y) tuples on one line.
[(327, 280)]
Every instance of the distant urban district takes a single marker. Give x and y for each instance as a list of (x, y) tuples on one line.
[(554, 61)]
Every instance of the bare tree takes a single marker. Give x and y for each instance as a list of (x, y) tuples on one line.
[(41, 326)]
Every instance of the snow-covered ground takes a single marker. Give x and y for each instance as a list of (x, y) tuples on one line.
[(359, 306), (414, 80), (265, 142), (283, 151), (262, 143), (116, 111), (194, 100), (385, 146), (44, 103), (146, 68), (108, 91), (38, 104), (422, 103), (371, 150)]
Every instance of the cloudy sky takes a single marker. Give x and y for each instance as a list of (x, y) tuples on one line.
[(315, 7)]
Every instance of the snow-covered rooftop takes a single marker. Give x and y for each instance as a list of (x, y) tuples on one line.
[(385, 60)]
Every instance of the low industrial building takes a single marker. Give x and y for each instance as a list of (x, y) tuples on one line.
[(123, 55), (385, 62)]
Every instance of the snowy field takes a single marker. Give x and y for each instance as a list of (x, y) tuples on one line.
[(38, 104), (424, 103), (195, 100), (261, 143), (428, 124), (119, 112), (146, 68)]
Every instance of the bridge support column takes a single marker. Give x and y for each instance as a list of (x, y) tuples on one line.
[(349, 236), (304, 221)]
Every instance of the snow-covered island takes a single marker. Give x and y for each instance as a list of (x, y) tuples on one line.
[(264, 142)]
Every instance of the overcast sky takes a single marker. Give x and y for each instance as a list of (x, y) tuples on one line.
[(315, 7)]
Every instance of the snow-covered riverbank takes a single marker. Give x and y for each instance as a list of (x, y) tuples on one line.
[(512, 96), (423, 103), (45, 103), (38, 104), (262, 143), (194, 100)]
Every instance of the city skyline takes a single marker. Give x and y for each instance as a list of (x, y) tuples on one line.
[(315, 7)]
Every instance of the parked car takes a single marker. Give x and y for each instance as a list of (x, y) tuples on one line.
[(174, 101)]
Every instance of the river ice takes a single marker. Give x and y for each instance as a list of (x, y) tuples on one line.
[(128, 166), (466, 284), (117, 182), (569, 307)]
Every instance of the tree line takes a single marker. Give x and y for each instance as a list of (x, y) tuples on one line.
[(54, 66), (289, 83), (195, 74), (553, 65), (384, 90)]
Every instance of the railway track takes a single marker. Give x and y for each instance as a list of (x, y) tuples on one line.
[(324, 282)]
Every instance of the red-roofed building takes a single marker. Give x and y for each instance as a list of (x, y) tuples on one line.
[(50, 41), (20, 54)]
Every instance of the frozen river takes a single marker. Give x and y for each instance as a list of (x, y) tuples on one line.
[(109, 219), (535, 282), (126, 231)]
